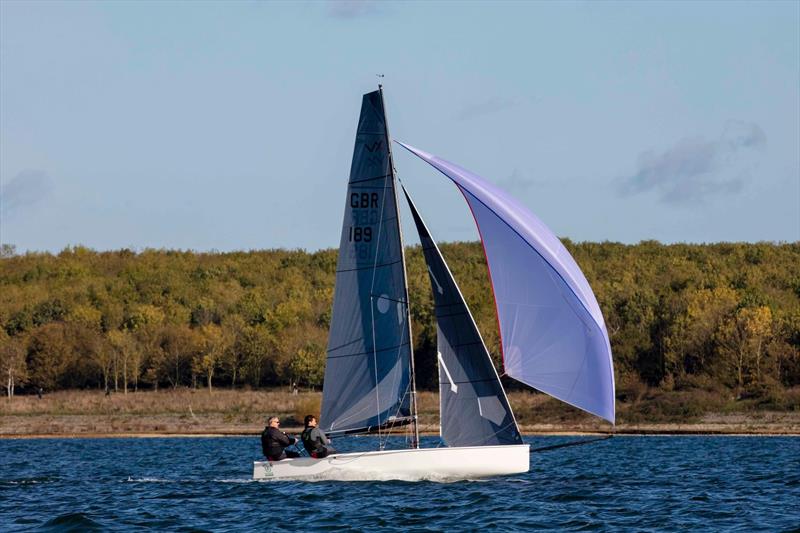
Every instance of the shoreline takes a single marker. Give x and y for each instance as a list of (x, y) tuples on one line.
[(187, 413), (652, 430)]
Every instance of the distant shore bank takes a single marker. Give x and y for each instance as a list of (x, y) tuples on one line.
[(221, 413), (624, 433), (32, 428)]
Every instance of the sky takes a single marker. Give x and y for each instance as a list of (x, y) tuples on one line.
[(230, 126)]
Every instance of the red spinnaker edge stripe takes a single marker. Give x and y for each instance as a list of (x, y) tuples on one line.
[(489, 270)]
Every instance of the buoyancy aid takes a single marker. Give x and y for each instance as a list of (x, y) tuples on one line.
[(312, 445)]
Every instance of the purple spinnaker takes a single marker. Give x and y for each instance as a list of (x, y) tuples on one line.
[(552, 333)]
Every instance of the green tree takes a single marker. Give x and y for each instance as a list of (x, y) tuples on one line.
[(139, 316), (691, 343), (233, 358), (125, 348), (48, 355), (743, 340), (179, 345), (308, 365), (12, 362), (87, 316), (7, 250), (788, 349), (257, 347), (213, 345)]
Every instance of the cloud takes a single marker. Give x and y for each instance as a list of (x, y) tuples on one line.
[(486, 107), (26, 189), (743, 135), (351, 9), (518, 183), (695, 169)]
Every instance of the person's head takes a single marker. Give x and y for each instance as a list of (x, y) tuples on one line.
[(311, 421), (273, 421)]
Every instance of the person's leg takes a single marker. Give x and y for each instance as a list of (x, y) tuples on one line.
[(291, 453), (325, 451)]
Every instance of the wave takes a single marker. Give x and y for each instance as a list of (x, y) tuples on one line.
[(132, 479), (71, 522), (28, 481)]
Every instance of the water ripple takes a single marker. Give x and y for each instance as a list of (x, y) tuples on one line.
[(625, 484)]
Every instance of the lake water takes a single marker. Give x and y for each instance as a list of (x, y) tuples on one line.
[(625, 483)]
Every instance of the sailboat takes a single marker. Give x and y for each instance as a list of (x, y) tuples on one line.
[(552, 333)]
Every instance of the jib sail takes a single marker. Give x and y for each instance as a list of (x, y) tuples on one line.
[(474, 408)]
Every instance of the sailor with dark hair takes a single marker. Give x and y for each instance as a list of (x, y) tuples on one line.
[(316, 443), (274, 441)]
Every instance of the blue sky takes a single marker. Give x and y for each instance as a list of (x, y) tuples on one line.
[(230, 126)]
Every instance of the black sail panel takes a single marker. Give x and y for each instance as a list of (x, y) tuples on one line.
[(474, 407), (367, 375)]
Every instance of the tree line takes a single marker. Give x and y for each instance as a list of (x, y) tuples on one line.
[(724, 317)]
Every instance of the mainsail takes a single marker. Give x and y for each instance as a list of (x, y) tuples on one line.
[(473, 406), (552, 331), (368, 380)]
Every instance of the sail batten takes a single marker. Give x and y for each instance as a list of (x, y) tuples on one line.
[(552, 331)]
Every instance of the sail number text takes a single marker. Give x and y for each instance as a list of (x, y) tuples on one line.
[(365, 214), (359, 234)]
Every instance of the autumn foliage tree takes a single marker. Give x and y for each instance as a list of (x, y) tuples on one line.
[(13, 368), (723, 317), (743, 341)]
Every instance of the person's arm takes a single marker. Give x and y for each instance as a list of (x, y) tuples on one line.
[(264, 443), (321, 437), (282, 438)]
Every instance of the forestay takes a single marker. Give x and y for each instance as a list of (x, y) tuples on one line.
[(473, 406), (553, 335), (367, 376)]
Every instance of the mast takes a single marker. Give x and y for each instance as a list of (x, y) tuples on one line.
[(414, 417)]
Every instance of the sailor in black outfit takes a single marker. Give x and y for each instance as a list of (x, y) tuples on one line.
[(274, 441), (317, 444)]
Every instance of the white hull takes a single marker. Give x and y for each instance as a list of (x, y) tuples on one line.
[(439, 464)]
